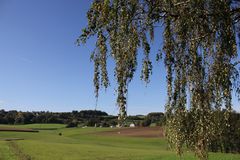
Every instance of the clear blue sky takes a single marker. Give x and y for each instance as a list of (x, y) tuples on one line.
[(42, 69)]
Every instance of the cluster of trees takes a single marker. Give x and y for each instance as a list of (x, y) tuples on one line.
[(154, 119)]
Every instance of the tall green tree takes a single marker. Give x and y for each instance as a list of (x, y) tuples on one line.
[(200, 56)]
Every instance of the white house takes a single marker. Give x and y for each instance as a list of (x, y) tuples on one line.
[(132, 125)]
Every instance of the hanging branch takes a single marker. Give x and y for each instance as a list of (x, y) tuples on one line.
[(200, 56)]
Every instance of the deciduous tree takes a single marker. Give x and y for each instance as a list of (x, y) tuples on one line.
[(200, 55)]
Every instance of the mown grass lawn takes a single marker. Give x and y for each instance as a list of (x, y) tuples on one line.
[(86, 144)]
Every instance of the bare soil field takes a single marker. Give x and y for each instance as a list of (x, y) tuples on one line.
[(146, 132), (17, 129)]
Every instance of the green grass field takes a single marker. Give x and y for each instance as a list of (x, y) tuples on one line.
[(86, 144)]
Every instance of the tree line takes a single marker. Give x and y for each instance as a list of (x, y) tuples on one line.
[(78, 118), (19, 117)]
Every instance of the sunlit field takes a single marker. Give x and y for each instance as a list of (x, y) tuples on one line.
[(86, 144)]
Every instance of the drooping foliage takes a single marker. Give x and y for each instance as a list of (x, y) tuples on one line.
[(200, 55), (119, 24)]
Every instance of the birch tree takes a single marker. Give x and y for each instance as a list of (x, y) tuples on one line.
[(199, 52)]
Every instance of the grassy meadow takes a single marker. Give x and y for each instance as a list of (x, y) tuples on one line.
[(86, 144)]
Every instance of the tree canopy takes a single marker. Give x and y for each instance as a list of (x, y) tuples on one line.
[(200, 56)]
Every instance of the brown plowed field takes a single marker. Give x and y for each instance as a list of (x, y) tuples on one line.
[(17, 130), (146, 132)]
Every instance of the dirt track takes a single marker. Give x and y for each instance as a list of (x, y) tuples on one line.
[(147, 132)]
